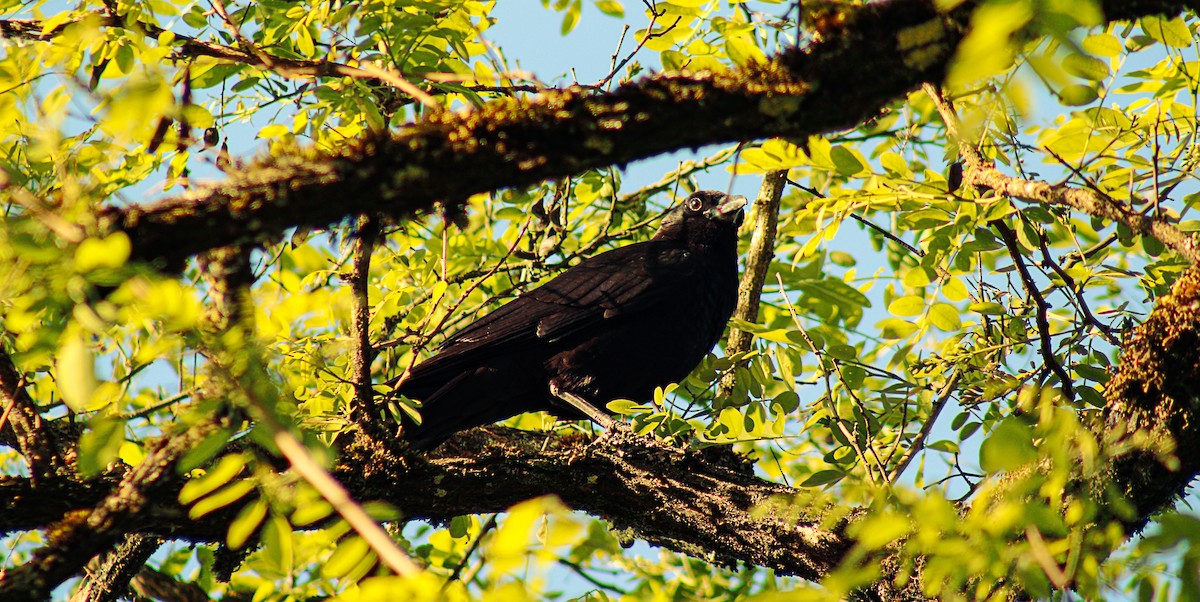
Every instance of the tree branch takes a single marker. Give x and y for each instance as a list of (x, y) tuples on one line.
[(706, 503), (109, 580), (758, 257), (79, 537), (24, 429)]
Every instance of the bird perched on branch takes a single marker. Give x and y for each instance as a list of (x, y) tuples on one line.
[(615, 326)]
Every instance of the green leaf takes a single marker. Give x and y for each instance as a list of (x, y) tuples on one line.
[(611, 8), (733, 420), (895, 328), (823, 477), (1076, 95), (246, 522), (1103, 44), (75, 372), (1090, 396), (945, 317), (987, 308), (274, 130), (846, 353), (99, 445), (1009, 446), (627, 407), (349, 554), (108, 252), (571, 17), (742, 51), (221, 498), (204, 451), (226, 469), (307, 514), (845, 161), (879, 530), (907, 306), (1086, 67), (1092, 373), (944, 445), (1173, 32)]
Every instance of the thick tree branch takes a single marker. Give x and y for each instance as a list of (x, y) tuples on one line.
[(80, 536), (706, 503), (885, 51), (109, 579), (1154, 406), (876, 56)]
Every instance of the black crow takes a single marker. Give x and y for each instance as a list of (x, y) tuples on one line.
[(615, 326)]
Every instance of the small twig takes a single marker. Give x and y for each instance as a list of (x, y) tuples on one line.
[(172, 400), (868, 223), (487, 526), (940, 401), (72, 233), (579, 570), (850, 437), (251, 47), (1076, 291), (650, 35), (1037, 546), (1046, 347)]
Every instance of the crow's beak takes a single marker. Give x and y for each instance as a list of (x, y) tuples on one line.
[(730, 209)]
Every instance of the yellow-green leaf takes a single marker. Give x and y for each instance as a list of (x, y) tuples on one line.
[(907, 306), (111, 251), (246, 522), (945, 317), (75, 372), (99, 445)]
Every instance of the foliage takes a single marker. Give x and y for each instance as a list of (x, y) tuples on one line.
[(928, 354)]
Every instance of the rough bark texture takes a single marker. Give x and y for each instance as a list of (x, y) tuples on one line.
[(109, 579), (1154, 405), (765, 222)]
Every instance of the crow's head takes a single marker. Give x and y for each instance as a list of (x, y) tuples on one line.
[(707, 217)]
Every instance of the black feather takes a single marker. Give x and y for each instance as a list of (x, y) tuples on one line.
[(615, 326)]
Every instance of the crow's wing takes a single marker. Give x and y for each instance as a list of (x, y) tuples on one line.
[(615, 283)]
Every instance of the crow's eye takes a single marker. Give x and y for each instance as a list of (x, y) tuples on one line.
[(695, 204)]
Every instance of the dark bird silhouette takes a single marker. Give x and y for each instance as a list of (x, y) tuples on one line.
[(615, 326)]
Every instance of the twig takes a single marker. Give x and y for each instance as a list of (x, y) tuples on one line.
[(1105, 331), (918, 442), (1046, 347), (72, 233), (487, 526), (979, 173)]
